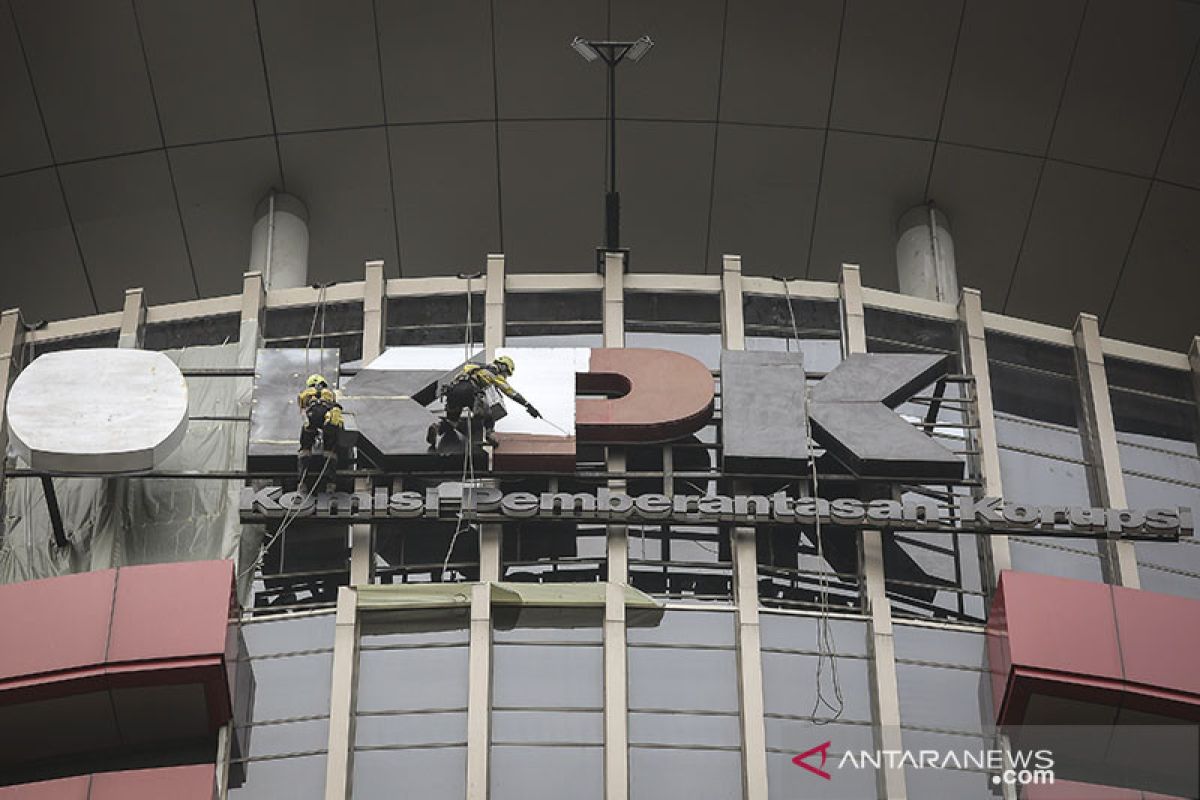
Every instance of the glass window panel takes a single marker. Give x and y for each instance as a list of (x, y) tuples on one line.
[(656, 774), (293, 778), (704, 347), (1181, 465), (1052, 558), (516, 339), (1157, 578), (948, 699), (958, 784), (664, 308), (288, 635), (1057, 441), (800, 633), (219, 329), (537, 676), (1032, 479), (377, 631), (546, 773), (896, 326), (585, 727), (1031, 353), (589, 629), (688, 627), (552, 306), (690, 729), (790, 685), (291, 686), (398, 680), (687, 680), (940, 646), (798, 735), (410, 729), (772, 315), (438, 773), (786, 781), (287, 737)]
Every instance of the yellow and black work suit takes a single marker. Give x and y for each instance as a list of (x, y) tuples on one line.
[(322, 414), (469, 390)]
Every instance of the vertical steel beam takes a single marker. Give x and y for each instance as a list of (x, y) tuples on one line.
[(133, 320), (1193, 359), (493, 306), (339, 767), (885, 692), (745, 577), (1118, 558), (983, 438), (614, 300)]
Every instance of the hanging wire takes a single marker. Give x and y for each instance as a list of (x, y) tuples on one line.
[(825, 642), (468, 468)]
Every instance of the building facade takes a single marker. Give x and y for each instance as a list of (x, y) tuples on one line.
[(536, 658)]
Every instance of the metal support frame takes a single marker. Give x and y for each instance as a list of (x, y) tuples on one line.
[(982, 438), (133, 320), (493, 306), (885, 692), (338, 769), (1118, 558), (745, 573)]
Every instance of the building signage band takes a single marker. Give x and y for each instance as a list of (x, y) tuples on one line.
[(989, 515)]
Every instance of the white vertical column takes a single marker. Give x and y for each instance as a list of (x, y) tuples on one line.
[(925, 255), (493, 306), (338, 767), (279, 241), (616, 657), (1118, 558), (133, 320), (362, 560), (614, 300), (983, 438), (479, 687), (745, 577), (885, 694)]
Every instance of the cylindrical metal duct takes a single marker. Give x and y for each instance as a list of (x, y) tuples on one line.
[(925, 255), (279, 241)]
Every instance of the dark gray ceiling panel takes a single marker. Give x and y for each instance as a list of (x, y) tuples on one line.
[(552, 194), (1124, 84), (679, 78), (779, 58), (1009, 72), (322, 63), (1181, 156), (1082, 222), (867, 183), (893, 66), (206, 68), (766, 189), (665, 179), (129, 229), (89, 75), (447, 197), (987, 196), (342, 176), (537, 73), (219, 186), (22, 140), (1155, 300), (42, 272), (437, 60)]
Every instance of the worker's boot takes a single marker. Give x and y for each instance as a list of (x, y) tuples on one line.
[(431, 435)]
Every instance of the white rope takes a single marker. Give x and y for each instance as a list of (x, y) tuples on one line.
[(825, 642), (468, 468)]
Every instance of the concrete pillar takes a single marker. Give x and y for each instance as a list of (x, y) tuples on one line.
[(925, 255), (279, 241)]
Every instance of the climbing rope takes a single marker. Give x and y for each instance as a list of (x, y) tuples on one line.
[(468, 467)]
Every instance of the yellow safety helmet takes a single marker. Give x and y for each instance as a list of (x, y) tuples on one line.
[(316, 380), (506, 364)]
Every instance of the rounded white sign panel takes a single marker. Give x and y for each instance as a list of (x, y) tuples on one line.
[(98, 411)]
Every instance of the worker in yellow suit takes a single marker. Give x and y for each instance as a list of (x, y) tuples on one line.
[(468, 391), (322, 419)]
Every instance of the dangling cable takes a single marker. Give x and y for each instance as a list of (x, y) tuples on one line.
[(468, 468), (825, 643)]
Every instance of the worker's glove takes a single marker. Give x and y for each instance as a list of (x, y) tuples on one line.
[(533, 412), (334, 417)]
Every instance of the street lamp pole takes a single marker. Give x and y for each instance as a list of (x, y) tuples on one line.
[(612, 54)]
